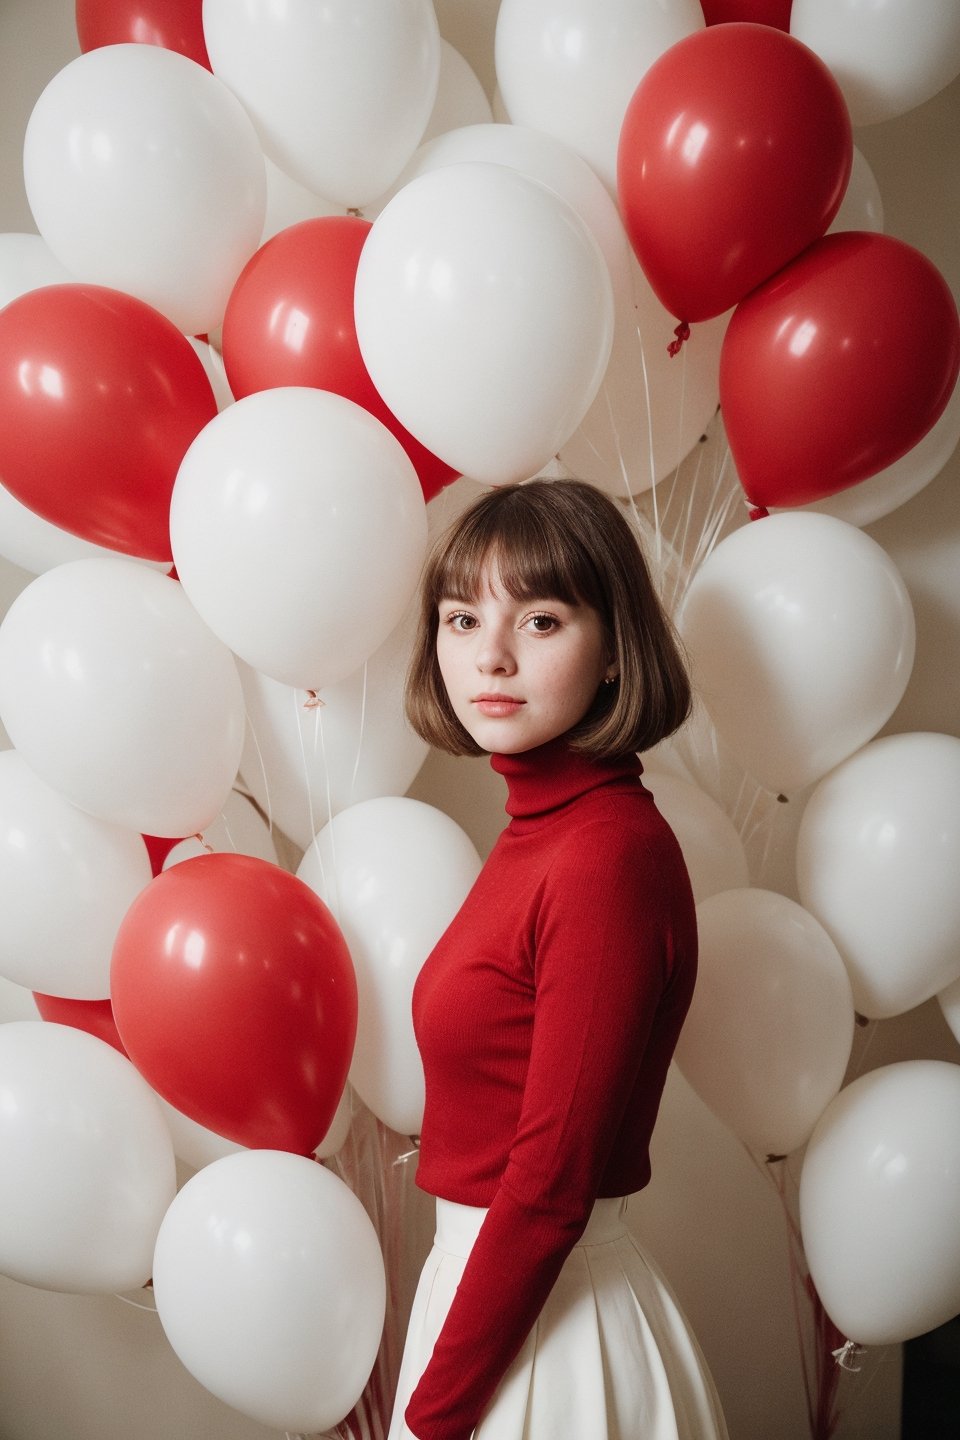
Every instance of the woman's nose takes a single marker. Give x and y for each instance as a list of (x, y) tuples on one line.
[(495, 655)]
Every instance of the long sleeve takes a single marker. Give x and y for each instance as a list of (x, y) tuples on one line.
[(613, 970)]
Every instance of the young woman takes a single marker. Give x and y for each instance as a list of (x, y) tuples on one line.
[(548, 1013)]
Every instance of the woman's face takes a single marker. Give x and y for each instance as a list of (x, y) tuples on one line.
[(518, 672)]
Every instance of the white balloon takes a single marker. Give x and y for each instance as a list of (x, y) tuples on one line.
[(88, 1168), (461, 99), (193, 1143), (484, 313), (339, 1129), (862, 204), (340, 93), (239, 829), (117, 695), (801, 636), (298, 528), (767, 1038), (539, 157), (16, 1003), (270, 1286), (710, 842), (27, 263), (570, 67), (652, 407), (879, 1196), (394, 871), (144, 173), (879, 494), (66, 881), (886, 58), (878, 856), (304, 765)]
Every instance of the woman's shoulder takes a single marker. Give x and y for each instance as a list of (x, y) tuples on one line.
[(617, 833)]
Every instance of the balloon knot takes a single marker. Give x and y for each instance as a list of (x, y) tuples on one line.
[(848, 1352), (682, 333), (312, 700), (774, 1159), (209, 848), (758, 512)]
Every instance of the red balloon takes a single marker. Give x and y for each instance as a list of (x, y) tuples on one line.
[(235, 997), (759, 12), (289, 321), (836, 367), (94, 1016), (734, 155), (171, 24), (100, 396)]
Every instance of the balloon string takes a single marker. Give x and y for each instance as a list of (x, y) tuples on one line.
[(268, 814), (681, 408), (314, 705), (328, 792), (363, 719), (829, 1343), (680, 546), (231, 842), (150, 1309), (621, 459), (657, 525), (330, 827), (682, 332), (718, 508)]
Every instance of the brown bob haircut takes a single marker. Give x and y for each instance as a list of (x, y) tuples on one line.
[(562, 540)]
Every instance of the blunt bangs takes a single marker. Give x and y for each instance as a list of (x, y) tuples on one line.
[(536, 558)]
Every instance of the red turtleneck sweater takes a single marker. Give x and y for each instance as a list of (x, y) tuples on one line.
[(546, 1016)]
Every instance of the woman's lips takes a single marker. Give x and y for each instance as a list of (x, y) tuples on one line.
[(497, 705)]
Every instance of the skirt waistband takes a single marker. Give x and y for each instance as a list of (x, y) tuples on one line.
[(459, 1225)]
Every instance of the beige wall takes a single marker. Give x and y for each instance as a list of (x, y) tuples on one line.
[(95, 1368)]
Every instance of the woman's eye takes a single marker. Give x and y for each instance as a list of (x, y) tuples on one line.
[(543, 624), (460, 620)]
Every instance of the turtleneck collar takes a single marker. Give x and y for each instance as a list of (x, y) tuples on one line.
[(542, 780)]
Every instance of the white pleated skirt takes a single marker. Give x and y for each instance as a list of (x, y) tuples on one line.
[(611, 1356)]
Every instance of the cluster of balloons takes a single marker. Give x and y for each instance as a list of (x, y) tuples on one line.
[(290, 281), (801, 635), (767, 1042), (842, 350), (840, 357)]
